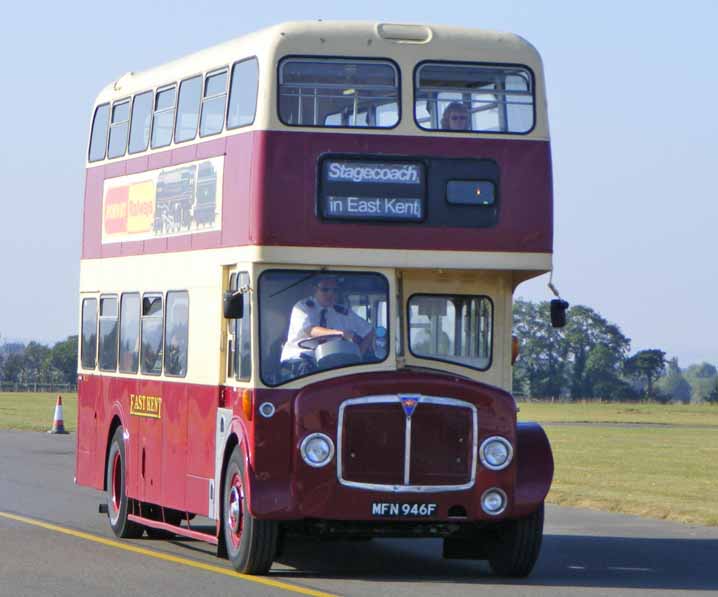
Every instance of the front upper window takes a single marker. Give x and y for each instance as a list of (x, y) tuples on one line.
[(453, 328), (312, 321), (338, 93), (481, 98)]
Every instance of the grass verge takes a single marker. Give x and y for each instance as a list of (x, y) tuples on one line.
[(700, 415), (653, 460), (29, 411)]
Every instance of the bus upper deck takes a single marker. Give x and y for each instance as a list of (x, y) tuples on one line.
[(346, 130)]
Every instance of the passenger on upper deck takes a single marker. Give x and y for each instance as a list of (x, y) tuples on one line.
[(455, 117), (320, 315)]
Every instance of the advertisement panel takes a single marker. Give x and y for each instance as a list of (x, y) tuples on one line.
[(171, 201)]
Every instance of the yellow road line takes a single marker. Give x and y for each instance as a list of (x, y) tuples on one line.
[(166, 557)]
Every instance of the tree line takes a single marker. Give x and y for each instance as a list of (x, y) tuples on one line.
[(590, 358), (36, 363)]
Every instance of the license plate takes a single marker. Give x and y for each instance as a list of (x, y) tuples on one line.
[(402, 509)]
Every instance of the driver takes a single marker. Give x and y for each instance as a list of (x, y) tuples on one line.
[(320, 315)]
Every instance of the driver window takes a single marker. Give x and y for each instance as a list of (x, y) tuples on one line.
[(312, 321)]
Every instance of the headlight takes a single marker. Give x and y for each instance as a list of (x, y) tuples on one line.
[(493, 501), (317, 450), (495, 453)]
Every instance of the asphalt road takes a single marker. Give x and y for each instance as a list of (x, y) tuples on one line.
[(75, 554)]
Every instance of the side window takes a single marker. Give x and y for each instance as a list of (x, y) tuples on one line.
[(140, 123), (118, 129), (152, 334), (211, 120), (243, 334), (188, 109), (243, 93), (176, 333), (108, 333), (129, 332), (163, 118), (98, 136), (88, 349)]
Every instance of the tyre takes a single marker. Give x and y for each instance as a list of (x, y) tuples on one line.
[(517, 545), (117, 501), (251, 543)]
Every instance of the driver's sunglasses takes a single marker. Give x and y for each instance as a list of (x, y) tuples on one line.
[(458, 117), (326, 288)]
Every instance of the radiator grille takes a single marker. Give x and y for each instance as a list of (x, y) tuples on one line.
[(383, 446)]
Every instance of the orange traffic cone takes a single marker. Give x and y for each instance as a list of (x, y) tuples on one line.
[(58, 426)]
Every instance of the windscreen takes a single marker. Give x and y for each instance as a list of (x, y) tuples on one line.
[(453, 328), (312, 321), (474, 98), (338, 93)]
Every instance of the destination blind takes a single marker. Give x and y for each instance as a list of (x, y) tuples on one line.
[(369, 190)]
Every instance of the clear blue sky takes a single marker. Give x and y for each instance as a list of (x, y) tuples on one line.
[(632, 89)]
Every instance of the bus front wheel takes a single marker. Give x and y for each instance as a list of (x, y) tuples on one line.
[(117, 501), (517, 546), (251, 543)]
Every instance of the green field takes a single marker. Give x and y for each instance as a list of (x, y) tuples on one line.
[(703, 415), (646, 459), (652, 460), (34, 412)]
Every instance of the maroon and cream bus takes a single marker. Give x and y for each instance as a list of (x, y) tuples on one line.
[(299, 254)]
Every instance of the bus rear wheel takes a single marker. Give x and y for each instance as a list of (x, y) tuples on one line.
[(251, 543), (517, 545), (117, 501)]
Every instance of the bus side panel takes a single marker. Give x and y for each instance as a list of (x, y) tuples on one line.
[(150, 447), (174, 444), (272, 448), (202, 403), (89, 463), (236, 205), (92, 212)]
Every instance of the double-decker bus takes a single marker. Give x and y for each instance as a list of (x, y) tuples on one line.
[(299, 254)]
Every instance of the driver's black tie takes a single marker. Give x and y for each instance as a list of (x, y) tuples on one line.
[(323, 318)]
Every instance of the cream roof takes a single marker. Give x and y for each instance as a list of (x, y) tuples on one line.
[(345, 38)]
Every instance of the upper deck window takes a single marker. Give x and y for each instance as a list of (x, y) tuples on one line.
[(163, 118), (188, 109), (243, 93), (141, 117), (474, 98), (215, 93), (338, 93), (118, 129), (98, 137)]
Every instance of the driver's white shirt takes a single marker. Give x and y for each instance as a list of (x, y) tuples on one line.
[(307, 314)]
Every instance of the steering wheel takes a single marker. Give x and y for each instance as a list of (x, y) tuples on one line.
[(313, 342)]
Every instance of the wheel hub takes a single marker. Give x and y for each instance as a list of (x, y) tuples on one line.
[(234, 513)]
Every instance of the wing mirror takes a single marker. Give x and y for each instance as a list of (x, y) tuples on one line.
[(558, 312), (233, 304)]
